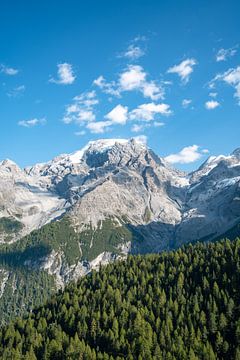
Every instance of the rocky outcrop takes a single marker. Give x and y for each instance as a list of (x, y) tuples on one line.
[(127, 182)]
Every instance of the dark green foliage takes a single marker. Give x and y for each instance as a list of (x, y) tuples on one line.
[(106, 237), (58, 235), (9, 227), (179, 305), (22, 258), (23, 290), (61, 236)]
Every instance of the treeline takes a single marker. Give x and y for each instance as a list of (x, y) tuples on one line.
[(180, 305)]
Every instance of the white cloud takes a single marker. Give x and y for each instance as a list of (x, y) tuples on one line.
[(184, 69), (133, 78), (118, 115), (152, 91), (82, 109), (140, 38), (133, 52), (187, 155), (80, 133), (17, 91), (230, 77), (211, 104), (135, 49), (224, 54), (87, 98), (213, 94), (8, 70), (158, 124), (211, 85), (140, 127), (32, 122), (141, 138), (137, 127), (186, 103), (107, 87), (147, 112), (98, 127), (65, 75)]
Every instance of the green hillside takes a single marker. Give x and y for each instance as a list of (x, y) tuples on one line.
[(181, 305), (20, 261)]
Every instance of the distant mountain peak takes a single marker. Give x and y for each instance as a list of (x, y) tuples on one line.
[(7, 162), (236, 153), (10, 166), (103, 145)]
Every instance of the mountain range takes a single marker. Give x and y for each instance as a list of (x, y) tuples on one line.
[(111, 198)]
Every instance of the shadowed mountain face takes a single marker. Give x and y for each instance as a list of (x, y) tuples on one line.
[(114, 197)]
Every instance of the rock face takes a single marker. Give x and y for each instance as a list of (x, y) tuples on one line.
[(25, 200), (126, 182), (61, 219)]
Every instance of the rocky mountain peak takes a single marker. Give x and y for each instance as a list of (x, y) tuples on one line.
[(9, 167), (123, 179), (236, 153)]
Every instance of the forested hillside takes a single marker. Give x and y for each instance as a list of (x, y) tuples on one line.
[(177, 305)]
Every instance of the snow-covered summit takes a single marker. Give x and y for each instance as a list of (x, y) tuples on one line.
[(236, 153), (9, 165), (123, 178), (100, 146), (66, 163), (213, 163)]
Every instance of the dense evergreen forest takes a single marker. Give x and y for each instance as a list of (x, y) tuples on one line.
[(183, 304)]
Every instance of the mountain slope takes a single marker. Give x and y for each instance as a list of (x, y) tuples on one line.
[(125, 181), (112, 198), (176, 305)]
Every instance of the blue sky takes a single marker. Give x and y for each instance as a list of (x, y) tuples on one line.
[(74, 71)]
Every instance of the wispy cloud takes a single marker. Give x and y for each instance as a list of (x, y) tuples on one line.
[(186, 103), (109, 88), (141, 138), (211, 104), (142, 126), (230, 77), (224, 54), (133, 52), (80, 133), (32, 122), (144, 114), (184, 69), (82, 109), (147, 112), (188, 154), (17, 91), (133, 78), (65, 75), (99, 127), (137, 127), (213, 94), (158, 124), (8, 70)]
